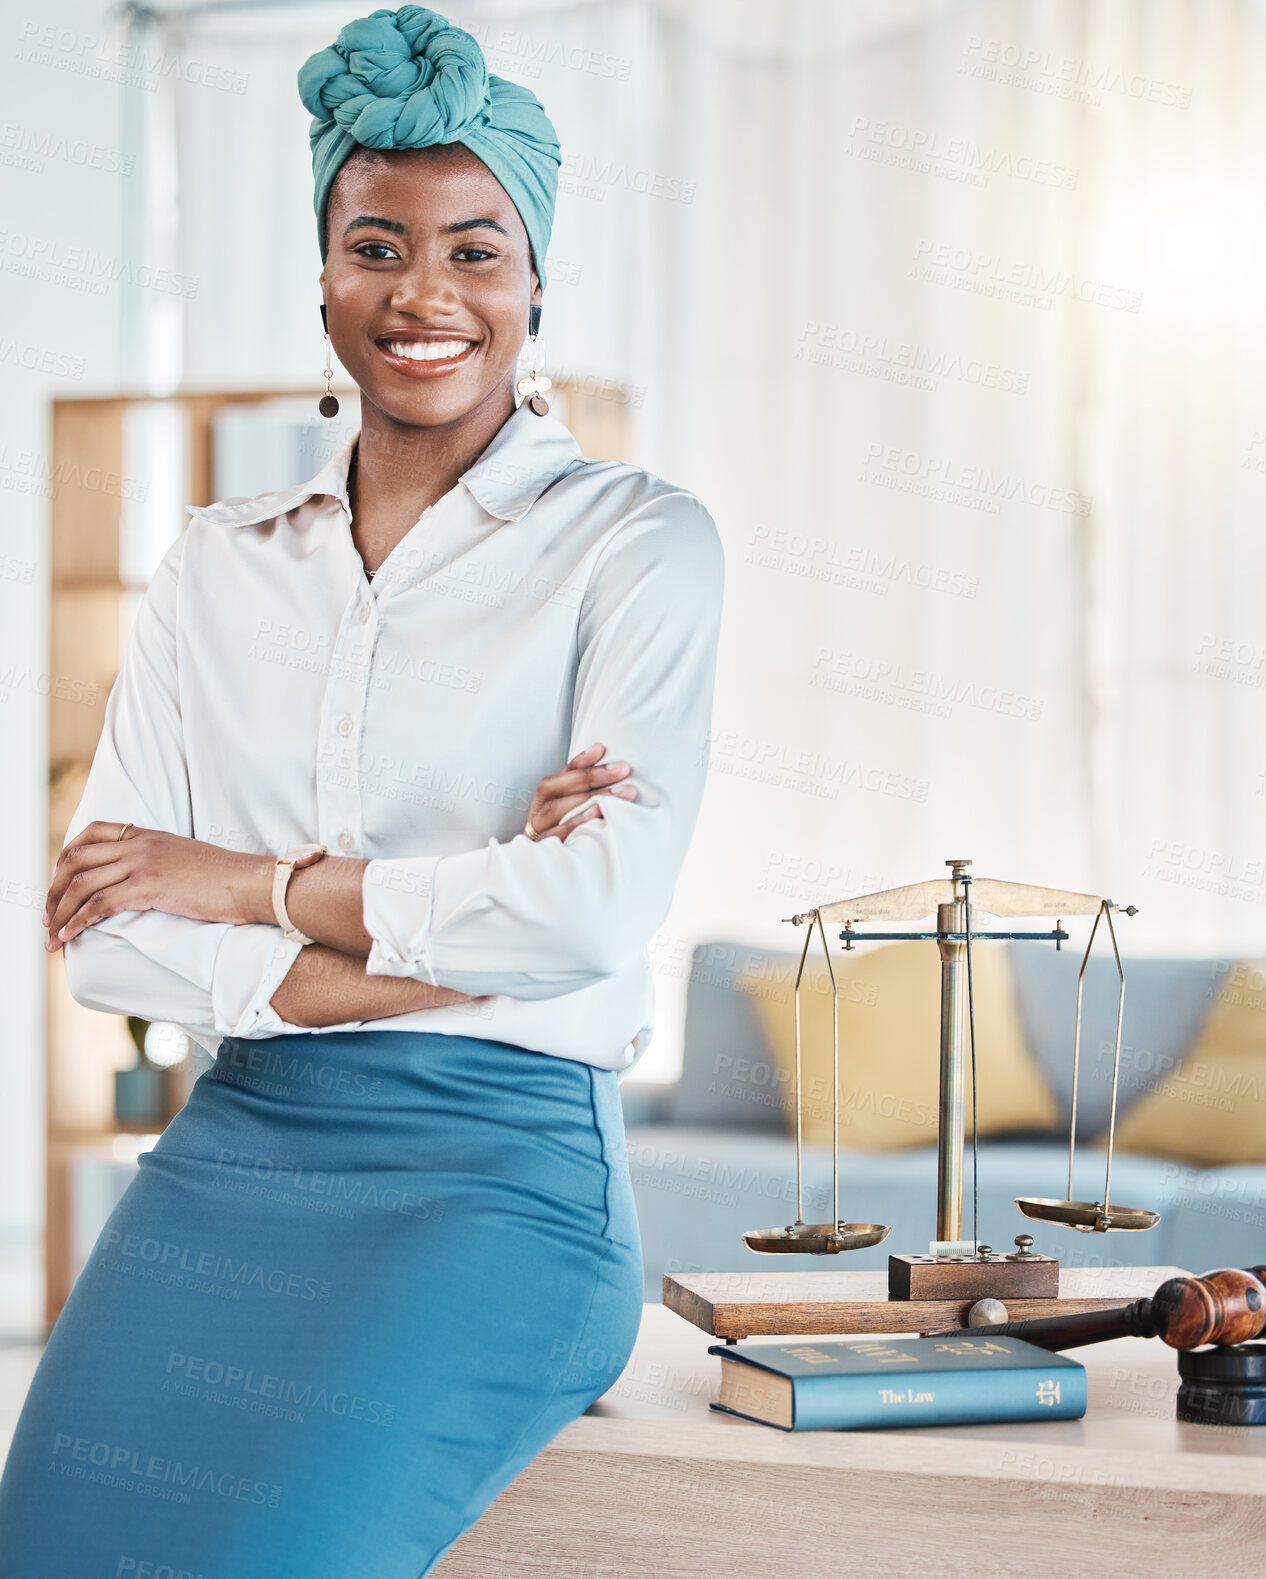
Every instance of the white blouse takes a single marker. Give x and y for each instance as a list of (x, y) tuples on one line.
[(271, 694)]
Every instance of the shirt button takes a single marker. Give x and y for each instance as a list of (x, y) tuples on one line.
[(346, 725), (364, 613), (345, 841)]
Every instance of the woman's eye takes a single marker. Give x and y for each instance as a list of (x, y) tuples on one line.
[(383, 250), (473, 254)]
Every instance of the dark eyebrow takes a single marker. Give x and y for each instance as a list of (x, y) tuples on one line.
[(373, 221), (474, 224)]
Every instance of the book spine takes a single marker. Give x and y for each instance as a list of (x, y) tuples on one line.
[(868, 1403)]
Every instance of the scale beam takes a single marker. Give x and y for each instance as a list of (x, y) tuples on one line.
[(848, 937), (990, 894)]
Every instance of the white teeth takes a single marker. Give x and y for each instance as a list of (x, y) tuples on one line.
[(427, 350)]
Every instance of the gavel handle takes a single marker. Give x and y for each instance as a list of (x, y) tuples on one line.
[(1084, 1326), (1138, 1320)]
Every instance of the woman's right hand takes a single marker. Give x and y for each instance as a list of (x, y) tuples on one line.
[(560, 793)]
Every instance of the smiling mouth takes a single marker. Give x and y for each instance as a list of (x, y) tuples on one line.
[(426, 358)]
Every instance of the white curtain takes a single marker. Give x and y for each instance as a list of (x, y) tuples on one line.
[(950, 313)]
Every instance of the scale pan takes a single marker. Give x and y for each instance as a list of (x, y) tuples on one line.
[(1088, 1216), (815, 1239)]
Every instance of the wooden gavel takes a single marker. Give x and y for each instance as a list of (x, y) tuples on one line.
[(1224, 1307)]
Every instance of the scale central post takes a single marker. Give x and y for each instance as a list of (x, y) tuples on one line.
[(955, 1032)]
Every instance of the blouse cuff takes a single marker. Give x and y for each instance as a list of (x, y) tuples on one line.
[(397, 898), (251, 963)]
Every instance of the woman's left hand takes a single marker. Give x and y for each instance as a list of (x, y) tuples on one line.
[(98, 874)]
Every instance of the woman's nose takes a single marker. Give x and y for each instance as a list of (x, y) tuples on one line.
[(423, 289)]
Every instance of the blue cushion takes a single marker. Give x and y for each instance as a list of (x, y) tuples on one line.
[(728, 1076), (1166, 1001)]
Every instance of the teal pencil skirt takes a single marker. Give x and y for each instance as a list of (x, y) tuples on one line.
[(361, 1280)]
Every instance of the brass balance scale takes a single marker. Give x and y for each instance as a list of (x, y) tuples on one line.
[(942, 1284)]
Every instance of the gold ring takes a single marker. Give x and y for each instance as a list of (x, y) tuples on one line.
[(125, 828), (530, 830)]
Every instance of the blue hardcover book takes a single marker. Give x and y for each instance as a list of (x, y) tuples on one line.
[(866, 1384)]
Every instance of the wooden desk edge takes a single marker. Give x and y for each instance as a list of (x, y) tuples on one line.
[(724, 1440)]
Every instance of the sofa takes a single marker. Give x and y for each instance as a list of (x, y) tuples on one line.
[(713, 1154)]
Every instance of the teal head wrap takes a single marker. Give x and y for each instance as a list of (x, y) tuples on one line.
[(410, 79)]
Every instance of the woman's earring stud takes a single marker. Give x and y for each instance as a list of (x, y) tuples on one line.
[(532, 388), (328, 406)]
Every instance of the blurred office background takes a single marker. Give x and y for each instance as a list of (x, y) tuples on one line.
[(950, 312)]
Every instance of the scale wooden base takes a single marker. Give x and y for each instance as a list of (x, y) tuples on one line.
[(734, 1305)]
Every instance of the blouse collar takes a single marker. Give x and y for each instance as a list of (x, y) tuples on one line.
[(526, 454)]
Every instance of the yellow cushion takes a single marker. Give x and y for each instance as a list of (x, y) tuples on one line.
[(889, 1016), (1211, 1110)]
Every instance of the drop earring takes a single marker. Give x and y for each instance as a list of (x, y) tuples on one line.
[(532, 388), (328, 406)]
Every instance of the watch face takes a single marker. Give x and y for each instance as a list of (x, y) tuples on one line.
[(307, 853)]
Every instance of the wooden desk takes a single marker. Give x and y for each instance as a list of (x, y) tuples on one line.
[(651, 1484)]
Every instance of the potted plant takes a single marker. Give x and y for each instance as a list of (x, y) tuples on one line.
[(140, 1093)]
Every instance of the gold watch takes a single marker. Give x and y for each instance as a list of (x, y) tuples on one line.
[(305, 855)]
